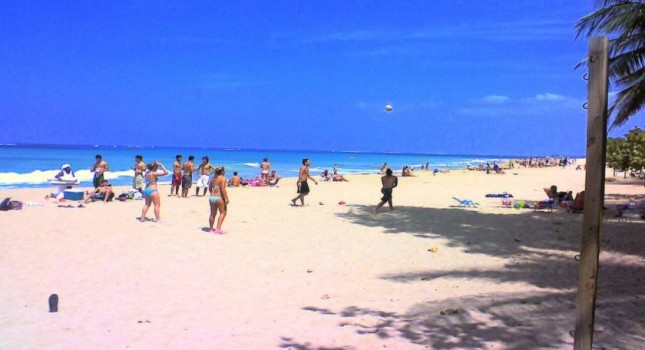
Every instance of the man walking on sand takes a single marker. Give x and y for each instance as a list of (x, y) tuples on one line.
[(187, 178), (303, 186), (389, 181), (176, 176)]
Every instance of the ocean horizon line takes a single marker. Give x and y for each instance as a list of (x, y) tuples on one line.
[(237, 149)]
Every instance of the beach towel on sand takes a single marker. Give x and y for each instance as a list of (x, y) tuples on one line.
[(499, 195)]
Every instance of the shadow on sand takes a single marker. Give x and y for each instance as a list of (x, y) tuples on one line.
[(537, 246)]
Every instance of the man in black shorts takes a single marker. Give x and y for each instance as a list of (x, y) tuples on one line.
[(187, 178), (303, 186), (388, 181)]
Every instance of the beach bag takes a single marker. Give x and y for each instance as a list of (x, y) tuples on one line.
[(8, 204), (4, 206)]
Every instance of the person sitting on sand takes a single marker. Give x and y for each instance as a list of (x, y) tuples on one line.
[(273, 178), (103, 192), (237, 180), (578, 203), (497, 169), (406, 171), (325, 175)]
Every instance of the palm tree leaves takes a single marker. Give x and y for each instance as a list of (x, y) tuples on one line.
[(624, 22)]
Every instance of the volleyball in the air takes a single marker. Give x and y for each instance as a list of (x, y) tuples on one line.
[(388, 108)]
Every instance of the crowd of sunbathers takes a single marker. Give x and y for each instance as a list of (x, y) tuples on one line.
[(237, 180), (547, 162), (326, 175), (490, 169)]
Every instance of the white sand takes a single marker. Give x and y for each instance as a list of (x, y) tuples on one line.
[(322, 276)]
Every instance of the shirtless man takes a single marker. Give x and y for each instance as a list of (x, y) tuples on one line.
[(303, 186), (101, 192), (273, 178), (204, 178), (187, 178), (389, 181), (98, 169), (265, 168), (139, 168), (176, 176), (236, 180)]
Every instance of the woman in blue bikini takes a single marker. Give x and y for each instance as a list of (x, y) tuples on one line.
[(150, 193), (218, 200)]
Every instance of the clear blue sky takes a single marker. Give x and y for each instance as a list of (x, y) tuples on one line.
[(483, 77)]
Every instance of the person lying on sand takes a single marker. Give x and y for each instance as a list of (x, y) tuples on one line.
[(338, 177)]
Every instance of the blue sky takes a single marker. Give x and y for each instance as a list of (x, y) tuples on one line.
[(477, 77)]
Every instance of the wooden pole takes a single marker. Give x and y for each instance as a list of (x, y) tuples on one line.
[(594, 192)]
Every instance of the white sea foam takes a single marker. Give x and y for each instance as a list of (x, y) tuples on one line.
[(40, 176), (255, 165)]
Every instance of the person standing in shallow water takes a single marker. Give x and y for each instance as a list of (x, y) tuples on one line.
[(389, 181), (303, 186)]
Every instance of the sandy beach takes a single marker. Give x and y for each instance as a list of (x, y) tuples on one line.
[(323, 276)]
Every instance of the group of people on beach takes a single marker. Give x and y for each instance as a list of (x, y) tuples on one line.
[(546, 162), (210, 179), (145, 181)]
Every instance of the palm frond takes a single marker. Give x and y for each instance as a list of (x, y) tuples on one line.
[(624, 22), (628, 103)]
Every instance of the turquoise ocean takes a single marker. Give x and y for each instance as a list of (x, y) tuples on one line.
[(29, 166)]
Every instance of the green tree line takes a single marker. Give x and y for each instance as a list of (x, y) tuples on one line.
[(627, 153)]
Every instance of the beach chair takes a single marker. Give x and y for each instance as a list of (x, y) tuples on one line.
[(544, 204), (465, 203)]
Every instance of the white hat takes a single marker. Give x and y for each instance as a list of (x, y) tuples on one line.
[(65, 166)]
